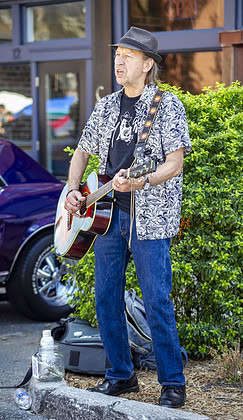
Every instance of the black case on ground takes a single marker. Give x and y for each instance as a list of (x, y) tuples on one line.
[(81, 346)]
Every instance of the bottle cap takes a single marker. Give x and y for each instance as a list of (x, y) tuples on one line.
[(46, 333)]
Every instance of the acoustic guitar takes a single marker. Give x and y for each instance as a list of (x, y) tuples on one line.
[(75, 234)]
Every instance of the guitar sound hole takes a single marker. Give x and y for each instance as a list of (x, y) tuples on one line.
[(86, 212), (83, 209)]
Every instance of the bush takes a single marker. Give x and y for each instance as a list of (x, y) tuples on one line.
[(206, 253)]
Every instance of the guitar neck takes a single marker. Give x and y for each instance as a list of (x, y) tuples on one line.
[(95, 196), (141, 170)]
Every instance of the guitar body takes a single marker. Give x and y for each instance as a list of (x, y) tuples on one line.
[(75, 234)]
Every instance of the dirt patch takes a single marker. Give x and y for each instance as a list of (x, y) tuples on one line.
[(206, 393)]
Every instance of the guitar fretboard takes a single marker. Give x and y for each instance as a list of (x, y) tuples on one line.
[(106, 188), (95, 196)]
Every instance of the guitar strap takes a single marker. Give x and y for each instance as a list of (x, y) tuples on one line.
[(139, 152), (140, 147)]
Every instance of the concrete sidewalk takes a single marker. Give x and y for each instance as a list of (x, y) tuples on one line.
[(58, 401)]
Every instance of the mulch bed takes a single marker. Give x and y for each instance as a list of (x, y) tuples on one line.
[(207, 394)]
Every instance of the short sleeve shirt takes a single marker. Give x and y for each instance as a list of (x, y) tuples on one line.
[(157, 207)]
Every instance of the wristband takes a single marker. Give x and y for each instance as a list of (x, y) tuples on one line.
[(147, 180), (147, 183), (74, 189)]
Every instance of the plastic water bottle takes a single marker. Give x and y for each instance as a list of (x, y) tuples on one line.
[(48, 363), (47, 341), (23, 399)]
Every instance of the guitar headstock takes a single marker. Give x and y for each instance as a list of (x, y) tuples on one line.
[(147, 167)]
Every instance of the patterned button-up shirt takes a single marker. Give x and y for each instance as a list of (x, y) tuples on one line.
[(157, 207)]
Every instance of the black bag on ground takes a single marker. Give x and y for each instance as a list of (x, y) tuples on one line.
[(83, 350), (139, 333), (81, 346)]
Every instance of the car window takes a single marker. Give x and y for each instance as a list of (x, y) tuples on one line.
[(2, 182), (16, 167)]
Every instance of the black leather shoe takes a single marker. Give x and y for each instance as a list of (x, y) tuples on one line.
[(173, 396), (115, 387)]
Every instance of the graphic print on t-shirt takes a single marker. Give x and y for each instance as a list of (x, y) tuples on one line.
[(125, 129), (122, 145), (124, 137)]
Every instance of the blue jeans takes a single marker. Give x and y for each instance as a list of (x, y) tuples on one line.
[(153, 268)]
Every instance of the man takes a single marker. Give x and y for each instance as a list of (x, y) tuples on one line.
[(111, 133), (2, 118), (2, 113)]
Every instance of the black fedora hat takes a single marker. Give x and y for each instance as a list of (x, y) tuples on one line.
[(140, 40)]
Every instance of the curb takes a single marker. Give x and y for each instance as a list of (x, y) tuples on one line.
[(61, 402)]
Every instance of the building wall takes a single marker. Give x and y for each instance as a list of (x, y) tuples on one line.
[(190, 41)]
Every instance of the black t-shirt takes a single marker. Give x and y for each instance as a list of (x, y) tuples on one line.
[(122, 145)]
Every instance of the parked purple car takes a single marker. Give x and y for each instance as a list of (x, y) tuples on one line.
[(29, 268)]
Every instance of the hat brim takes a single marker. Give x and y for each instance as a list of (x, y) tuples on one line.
[(151, 54)]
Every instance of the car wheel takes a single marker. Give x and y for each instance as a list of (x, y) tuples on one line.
[(37, 288)]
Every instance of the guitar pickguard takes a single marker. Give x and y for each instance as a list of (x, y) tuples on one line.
[(90, 210)]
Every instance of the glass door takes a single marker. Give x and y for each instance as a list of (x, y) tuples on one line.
[(16, 104), (62, 111)]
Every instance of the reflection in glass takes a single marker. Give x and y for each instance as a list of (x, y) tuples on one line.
[(62, 119), (193, 71), (174, 15), (5, 25), (56, 21), (16, 104)]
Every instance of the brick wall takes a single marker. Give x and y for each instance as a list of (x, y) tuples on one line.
[(15, 78)]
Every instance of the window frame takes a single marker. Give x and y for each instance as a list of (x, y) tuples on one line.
[(195, 40), (7, 8), (63, 49), (57, 43), (240, 15), (175, 42)]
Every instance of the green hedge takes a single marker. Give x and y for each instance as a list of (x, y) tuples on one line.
[(206, 253)]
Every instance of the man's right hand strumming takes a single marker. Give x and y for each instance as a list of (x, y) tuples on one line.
[(74, 197), (73, 201)]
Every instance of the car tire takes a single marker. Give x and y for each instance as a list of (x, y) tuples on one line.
[(36, 288), (17, 299)]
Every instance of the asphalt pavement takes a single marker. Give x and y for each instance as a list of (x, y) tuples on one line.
[(19, 339)]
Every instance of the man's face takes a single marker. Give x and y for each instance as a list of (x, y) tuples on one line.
[(130, 67)]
